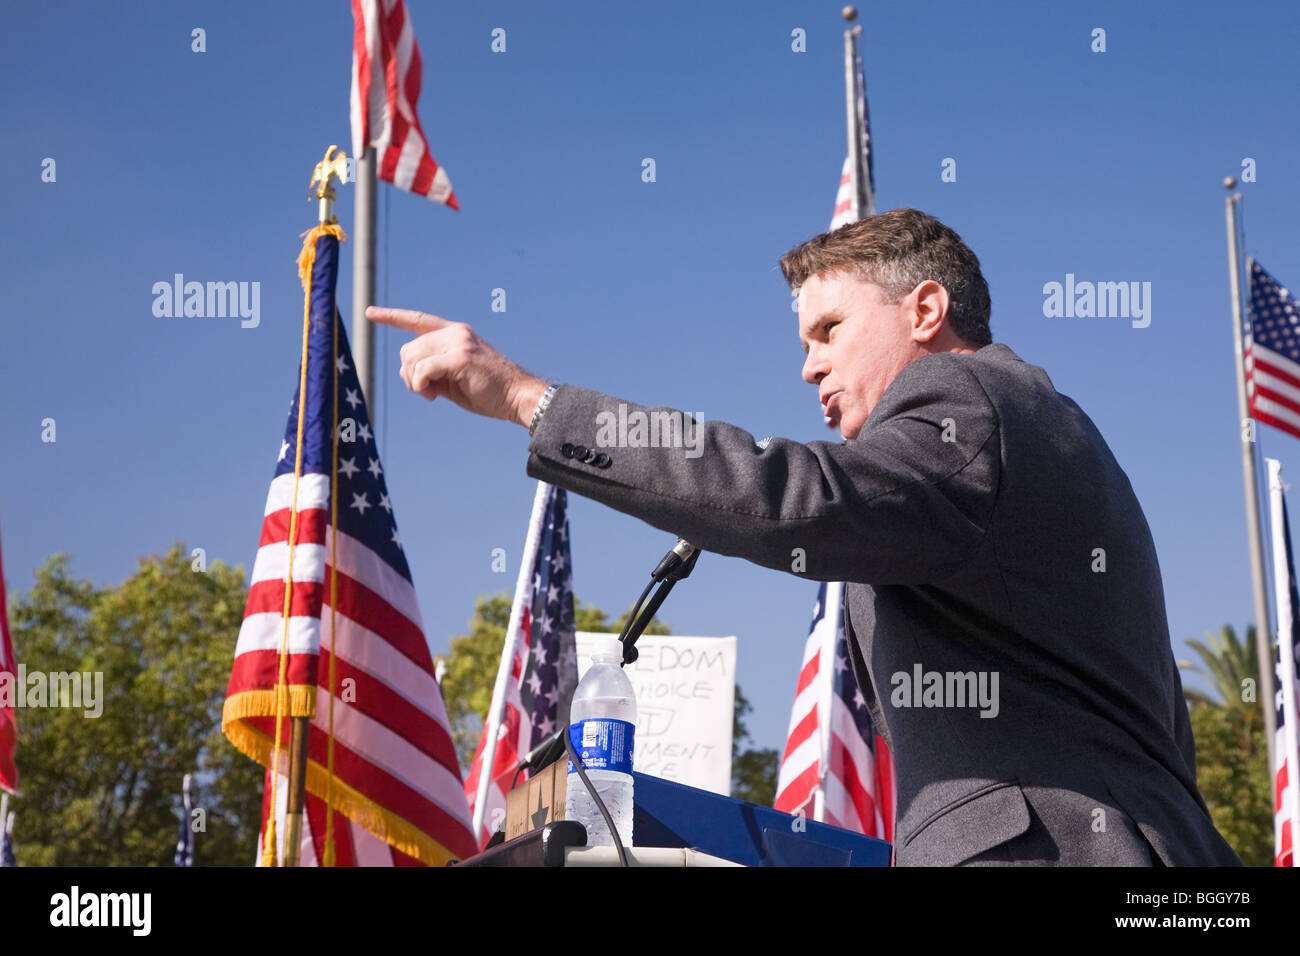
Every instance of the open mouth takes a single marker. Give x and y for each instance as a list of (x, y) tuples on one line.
[(831, 409)]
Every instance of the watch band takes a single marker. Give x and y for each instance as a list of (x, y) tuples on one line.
[(541, 407)]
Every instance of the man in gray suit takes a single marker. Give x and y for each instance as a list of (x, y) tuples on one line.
[(1004, 605)]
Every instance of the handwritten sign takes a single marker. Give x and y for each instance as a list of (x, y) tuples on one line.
[(685, 700)]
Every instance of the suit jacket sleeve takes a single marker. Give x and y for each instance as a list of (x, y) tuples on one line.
[(906, 502)]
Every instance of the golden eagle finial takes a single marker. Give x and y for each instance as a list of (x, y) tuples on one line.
[(333, 166)]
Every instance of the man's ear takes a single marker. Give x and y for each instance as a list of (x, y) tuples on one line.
[(929, 310)]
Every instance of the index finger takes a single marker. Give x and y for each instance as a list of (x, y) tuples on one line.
[(409, 319)]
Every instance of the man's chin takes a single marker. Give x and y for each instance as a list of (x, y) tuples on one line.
[(837, 423)]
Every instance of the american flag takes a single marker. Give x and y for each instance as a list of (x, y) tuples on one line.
[(185, 842), (844, 212), (386, 76), (1272, 346), (832, 747), (383, 754), (8, 725), (1286, 663), (543, 662)]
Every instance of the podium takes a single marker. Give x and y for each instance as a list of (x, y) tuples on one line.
[(674, 825)]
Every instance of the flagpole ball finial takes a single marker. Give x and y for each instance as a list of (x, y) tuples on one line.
[(1229, 182), (850, 14)]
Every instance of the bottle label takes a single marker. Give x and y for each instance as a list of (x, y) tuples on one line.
[(604, 743)]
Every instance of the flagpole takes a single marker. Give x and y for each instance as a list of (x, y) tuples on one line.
[(851, 106), (332, 166), (1285, 639), (6, 824), (491, 727), (363, 275), (833, 611), (832, 614), (187, 810), (1263, 644)]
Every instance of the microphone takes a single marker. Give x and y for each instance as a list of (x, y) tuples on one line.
[(544, 753), (677, 563)]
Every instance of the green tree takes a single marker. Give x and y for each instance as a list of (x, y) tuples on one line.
[(1234, 781), (1231, 751), (471, 670), (105, 791), (471, 667), (753, 772), (1231, 667)]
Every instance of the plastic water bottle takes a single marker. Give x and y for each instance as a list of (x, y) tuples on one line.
[(602, 721)]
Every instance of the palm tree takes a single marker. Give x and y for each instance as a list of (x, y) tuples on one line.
[(1231, 753), (1228, 664)]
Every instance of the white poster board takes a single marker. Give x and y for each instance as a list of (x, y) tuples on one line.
[(685, 700)]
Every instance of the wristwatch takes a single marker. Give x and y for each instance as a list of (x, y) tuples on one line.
[(541, 406)]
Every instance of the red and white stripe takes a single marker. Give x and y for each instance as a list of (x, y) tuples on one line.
[(511, 732), (829, 772), (1273, 384), (850, 783), (386, 76), (843, 214), (1284, 796), (391, 739), (801, 764)]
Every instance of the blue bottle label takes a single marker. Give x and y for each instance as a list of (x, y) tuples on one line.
[(604, 743)]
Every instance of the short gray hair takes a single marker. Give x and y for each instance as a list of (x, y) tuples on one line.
[(897, 251)]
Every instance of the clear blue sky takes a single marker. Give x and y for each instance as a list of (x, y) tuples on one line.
[(1104, 165)]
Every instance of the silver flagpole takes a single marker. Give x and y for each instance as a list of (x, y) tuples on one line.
[(835, 590), (1263, 643), (363, 276), (851, 106), (187, 809), (832, 615)]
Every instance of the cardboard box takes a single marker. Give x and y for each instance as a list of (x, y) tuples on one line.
[(537, 801)]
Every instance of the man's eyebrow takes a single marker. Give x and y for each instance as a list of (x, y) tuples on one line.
[(831, 315)]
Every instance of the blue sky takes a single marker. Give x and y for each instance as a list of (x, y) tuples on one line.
[(1104, 165)]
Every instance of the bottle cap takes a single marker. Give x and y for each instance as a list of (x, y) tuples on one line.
[(607, 645)]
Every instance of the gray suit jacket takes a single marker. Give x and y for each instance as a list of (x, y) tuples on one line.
[(987, 533)]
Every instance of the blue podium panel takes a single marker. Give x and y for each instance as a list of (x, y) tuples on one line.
[(672, 815)]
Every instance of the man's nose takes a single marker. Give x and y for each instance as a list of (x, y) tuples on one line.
[(814, 367)]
